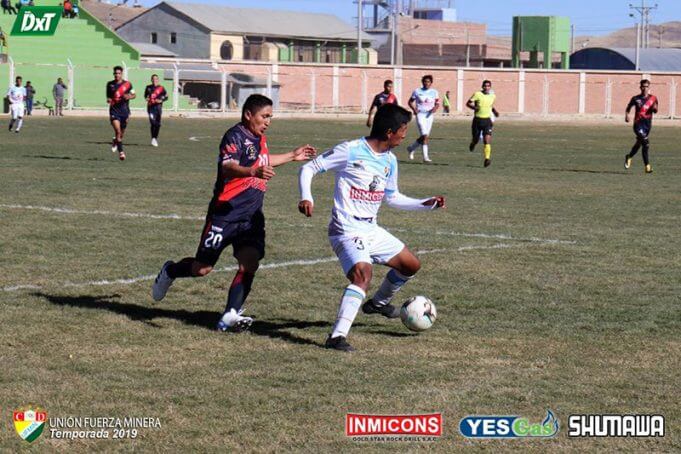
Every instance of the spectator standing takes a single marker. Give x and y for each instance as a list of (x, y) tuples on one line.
[(58, 91), (30, 91)]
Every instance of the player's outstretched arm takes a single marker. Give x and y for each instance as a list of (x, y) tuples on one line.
[(230, 169), (304, 153), (402, 202)]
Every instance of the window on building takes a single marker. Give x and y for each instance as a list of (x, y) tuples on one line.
[(226, 50), (173, 38), (154, 38)]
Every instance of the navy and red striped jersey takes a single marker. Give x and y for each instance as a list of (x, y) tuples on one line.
[(239, 198), (115, 92), (155, 92), (384, 98), (645, 107)]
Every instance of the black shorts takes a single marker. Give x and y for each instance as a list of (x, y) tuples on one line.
[(642, 128), (218, 233), (481, 125), (123, 118)]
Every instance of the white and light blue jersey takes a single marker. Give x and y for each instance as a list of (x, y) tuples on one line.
[(425, 99), (16, 94), (363, 179)]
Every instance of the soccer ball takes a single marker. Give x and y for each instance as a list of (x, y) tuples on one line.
[(418, 313)]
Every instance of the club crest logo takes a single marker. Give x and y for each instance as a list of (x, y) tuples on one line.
[(374, 183), (29, 423)]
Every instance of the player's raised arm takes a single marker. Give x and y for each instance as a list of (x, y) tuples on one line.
[(396, 199), (303, 153)]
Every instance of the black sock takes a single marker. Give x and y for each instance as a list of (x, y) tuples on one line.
[(646, 147), (119, 144), (634, 149), (239, 290), (183, 268)]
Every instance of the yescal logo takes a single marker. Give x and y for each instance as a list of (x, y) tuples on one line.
[(507, 426), (37, 20)]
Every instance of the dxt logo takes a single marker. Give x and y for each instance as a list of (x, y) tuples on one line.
[(37, 20), (508, 427)]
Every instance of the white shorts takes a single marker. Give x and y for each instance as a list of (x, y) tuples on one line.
[(376, 245), (17, 110), (424, 120)]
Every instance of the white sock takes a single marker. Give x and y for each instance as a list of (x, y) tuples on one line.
[(425, 152), (349, 305), (392, 284), (20, 122)]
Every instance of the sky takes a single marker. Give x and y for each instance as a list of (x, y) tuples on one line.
[(590, 17)]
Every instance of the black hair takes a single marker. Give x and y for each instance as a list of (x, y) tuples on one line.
[(18, 77), (386, 82), (389, 117), (118, 68), (253, 105), (152, 76), (486, 82), (427, 77), (645, 81)]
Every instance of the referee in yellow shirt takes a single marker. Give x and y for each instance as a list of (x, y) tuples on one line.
[(482, 102)]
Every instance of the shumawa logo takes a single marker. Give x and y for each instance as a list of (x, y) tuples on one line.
[(37, 20)]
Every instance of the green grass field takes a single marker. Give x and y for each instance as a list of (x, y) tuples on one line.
[(556, 275)]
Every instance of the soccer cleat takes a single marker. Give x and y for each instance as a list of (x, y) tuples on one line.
[(162, 282), (427, 160), (121, 155), (471, 147), (387, 310), (649, 168), (487, 162), (10, 128), (114, 147), (411, 155), (338, 343), (627, 161), (17, 130), (154, 143), (234, 322)]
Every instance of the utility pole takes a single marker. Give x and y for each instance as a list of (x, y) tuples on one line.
[(359, 29), (644, 12)]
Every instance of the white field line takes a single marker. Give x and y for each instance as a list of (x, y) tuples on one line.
[(267, 266), (171, 216)]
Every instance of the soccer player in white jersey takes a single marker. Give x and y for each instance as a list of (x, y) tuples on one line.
[(366, 174), (424, 102), (16, 95)]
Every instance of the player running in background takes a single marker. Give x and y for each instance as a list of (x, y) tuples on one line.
[(482, 102), (424, 102), (16, 95), (235, 213), (385, 97), (366, 174), (645, 106), (119, 92), (155, 95)]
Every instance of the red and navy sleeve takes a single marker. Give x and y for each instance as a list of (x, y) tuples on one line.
[(231, 148)]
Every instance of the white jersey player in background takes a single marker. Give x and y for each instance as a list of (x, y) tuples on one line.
[(424, 102), (16, 95), (366, 174)]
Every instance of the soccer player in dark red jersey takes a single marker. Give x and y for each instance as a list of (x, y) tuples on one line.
[(235, 213), (385, 97), (645, 106), (119, 92), (155, 95)]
